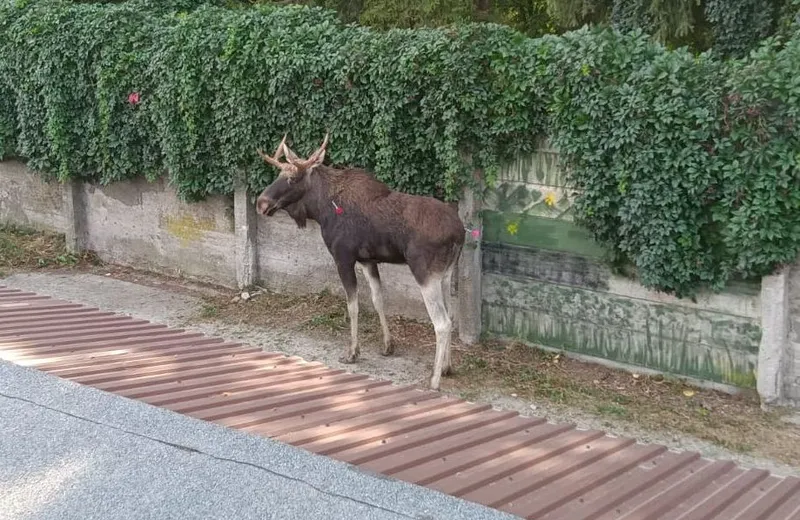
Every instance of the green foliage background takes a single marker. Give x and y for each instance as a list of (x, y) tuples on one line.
[(730, 27), (689, 163)]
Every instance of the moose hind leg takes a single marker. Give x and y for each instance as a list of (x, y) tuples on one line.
[(447, 287), (376, 289), (347, 274), (433, 295)]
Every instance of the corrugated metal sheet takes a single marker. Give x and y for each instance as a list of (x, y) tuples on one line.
[(525, 466)]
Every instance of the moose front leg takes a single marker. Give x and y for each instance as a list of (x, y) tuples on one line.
[(376, 289), (347, 274)]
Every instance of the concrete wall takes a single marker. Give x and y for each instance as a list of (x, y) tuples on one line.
[(545, 282), (26, 200), (528, 272), (145, 225)]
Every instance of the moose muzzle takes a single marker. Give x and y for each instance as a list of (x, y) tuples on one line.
[(265, 206)]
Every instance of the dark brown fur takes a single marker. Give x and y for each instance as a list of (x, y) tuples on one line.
[(377, 225)]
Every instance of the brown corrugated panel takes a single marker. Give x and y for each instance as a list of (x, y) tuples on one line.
[(525, 466)]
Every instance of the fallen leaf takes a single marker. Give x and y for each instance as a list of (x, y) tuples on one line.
[(688, 393), (636, 376)]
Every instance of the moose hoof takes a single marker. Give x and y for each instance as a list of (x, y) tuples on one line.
[(388, 349), (348, 359)]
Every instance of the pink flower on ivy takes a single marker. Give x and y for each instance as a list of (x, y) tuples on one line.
[(133, 98), (475, 233)]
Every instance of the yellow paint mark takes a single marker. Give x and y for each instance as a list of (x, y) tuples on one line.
[(550, 199), (187, 228), (512, 228)]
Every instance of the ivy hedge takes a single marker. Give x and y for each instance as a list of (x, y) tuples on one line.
[(688, 164), (213, 83)]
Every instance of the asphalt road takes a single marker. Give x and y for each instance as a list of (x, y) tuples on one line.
[(74, 452)]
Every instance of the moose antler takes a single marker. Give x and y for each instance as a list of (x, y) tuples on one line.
[(316, 157), (290, 155), (321, 150), (294, 162), (281, 150)]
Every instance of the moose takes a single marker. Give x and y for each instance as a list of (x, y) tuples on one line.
[(364, 222)]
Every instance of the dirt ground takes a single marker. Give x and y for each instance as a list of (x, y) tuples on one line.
[(653, 409)]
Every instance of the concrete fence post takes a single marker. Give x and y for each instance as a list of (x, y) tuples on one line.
[(773, 350), (469, 270), (74, 216), (245, 224)]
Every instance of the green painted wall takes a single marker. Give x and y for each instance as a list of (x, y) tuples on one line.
[(539, 232), (545, 282)]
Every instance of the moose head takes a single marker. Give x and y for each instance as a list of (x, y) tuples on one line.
[(291, 184)]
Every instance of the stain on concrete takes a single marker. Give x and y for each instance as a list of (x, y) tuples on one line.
[(187, 227), (230, 224)]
